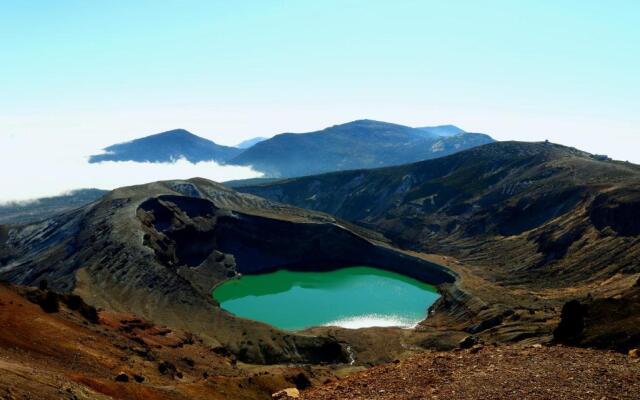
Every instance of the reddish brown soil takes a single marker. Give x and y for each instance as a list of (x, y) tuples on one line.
[(506, 372), (62, 356)]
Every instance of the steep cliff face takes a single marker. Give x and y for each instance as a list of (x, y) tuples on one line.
[(619, 210), (157, 250)]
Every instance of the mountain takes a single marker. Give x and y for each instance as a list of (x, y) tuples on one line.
[(245, 144), (157, 251), (357, 144), (167, 147), (442, 130), (534, 243), (42, 208), (540, 223)]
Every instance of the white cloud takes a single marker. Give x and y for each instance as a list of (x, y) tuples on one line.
[(31, 170)]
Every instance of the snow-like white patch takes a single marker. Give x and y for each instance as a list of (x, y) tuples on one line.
[(437, 146), (373, 320), (32, 170)]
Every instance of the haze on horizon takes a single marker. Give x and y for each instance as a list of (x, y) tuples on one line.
[(78, 76)]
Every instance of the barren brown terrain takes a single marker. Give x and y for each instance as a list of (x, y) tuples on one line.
[(500, 372), (61, 355)]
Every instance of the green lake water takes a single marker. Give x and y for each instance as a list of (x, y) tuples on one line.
[(352, 297)]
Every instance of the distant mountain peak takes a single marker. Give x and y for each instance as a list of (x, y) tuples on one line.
[(369, 123), (167, 146), (175, 132), (363, 143)]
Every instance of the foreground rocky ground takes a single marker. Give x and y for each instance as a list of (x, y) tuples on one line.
[(503, 372), (70, 353), (65, 355)]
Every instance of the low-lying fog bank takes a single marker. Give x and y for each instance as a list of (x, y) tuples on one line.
[(33, 170)]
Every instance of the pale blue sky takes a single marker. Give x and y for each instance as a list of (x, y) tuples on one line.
[(90, 73)]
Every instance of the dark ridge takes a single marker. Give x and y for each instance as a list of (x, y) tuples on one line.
[(167, 147), (357, 144), (46, 207)]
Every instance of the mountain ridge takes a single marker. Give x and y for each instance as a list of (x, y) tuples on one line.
[(442, 130), (356, 144), (167, 146), (22, 212), (245, 144)]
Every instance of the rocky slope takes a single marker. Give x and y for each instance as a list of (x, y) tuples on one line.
[(531, 226), (157, 251), (357, 144), (60, 354)]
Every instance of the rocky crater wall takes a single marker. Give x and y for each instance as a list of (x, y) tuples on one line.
[(311, 246)]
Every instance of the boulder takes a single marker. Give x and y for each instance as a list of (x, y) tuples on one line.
[(301, 381), (468, 342), (122, 377), (475, 348), (288, 393), (571, 323), (167, 368)]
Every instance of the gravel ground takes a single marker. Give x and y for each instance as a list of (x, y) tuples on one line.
[(505, 372)]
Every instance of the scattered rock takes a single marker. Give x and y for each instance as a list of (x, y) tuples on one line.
[(634, 353), (189, 361), (143, 352), (76, 303), (167, 368), (47, 300), (468, 342), (222, 351), (476, 348), (301, 381), (289, 393), (122, 377), (138, 378)]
